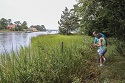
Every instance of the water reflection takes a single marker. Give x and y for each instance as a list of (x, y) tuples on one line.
[(13, 40)]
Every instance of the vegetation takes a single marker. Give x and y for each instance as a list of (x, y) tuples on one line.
[(68, 22), (3, 23), (106, 16), (48, 60), (6, 24), (39, 28), (71, 58), (19, 26)]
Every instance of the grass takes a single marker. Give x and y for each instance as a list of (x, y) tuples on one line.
[(61, 59)]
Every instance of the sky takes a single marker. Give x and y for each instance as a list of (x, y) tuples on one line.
[(35, 12)]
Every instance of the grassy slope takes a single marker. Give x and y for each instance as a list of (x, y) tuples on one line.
[(113, 69), (46, 61)]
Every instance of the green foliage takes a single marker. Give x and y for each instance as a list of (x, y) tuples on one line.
[(6, 22), (68, 21), (45, 61), (3, 23), (38, 27), (106, 16), (18, 26), (120, 47), (24, 25)]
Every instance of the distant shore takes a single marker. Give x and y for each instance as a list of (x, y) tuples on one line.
[(9, 31)]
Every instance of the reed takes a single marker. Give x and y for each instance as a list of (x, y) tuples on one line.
[(52, 59)]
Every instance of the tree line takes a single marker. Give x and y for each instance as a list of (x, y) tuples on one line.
[(106, 16), (5, 23)]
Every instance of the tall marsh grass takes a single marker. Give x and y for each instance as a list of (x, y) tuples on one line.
[(51, 59)]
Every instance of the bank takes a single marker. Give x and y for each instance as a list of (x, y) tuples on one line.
[(61, 59)]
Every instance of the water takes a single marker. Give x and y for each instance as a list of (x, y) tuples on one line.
[(14, 40)]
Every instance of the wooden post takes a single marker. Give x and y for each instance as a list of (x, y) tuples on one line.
[(62, 47)]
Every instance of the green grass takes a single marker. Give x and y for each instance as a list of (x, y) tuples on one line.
[(48, 60)]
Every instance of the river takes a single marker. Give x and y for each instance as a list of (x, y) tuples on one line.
[(14, 40)]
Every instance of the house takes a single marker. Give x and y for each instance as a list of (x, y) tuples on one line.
[(11, 26), (32, 29)]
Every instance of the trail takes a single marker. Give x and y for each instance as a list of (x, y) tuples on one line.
[(112, 71)]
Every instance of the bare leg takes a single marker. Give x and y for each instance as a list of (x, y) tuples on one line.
[(100, 60), (103, 57)]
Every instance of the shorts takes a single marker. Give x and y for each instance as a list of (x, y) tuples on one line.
[(102, 51)]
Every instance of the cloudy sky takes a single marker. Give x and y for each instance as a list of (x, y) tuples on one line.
[(35, 12)]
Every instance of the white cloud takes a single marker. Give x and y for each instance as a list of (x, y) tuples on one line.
[(41, 12)]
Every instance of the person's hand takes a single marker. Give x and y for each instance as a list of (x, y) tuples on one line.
[(94, 45)]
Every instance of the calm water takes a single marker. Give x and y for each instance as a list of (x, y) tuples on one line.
[(13, 40)]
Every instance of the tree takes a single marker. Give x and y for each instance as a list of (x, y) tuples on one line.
[(17, 22), (18, 26), (9, 21), (106, 16), (43, 28), (68, 21), (39, 28), (24, 25), (3, 23)]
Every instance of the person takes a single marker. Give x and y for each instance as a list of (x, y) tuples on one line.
[(102, 48), (96, 40)]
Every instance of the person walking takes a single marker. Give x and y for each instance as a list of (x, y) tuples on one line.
[(102, 48), (96, 40)]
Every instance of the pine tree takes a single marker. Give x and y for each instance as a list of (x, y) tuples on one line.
[(68, 22)]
